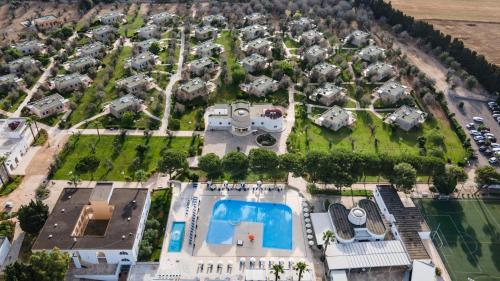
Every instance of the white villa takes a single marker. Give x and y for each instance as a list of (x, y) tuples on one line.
[(300, 25), (143, 46), (379, 71), (192, 89), (22, 65), (259, 46), (392, 92), (325, 71), (70, 82), (100, 228), (149, 31), (112, 18), (406, 117), (214, 20), (371, 53), (134, 84), (48, 106), (315, 54), (208, 49), (241, 118), (254, 62), (335, 118), (261, 86), (254, 18), (253, 32), (15, 140), (142, 61), (201, 66), (163, 18), (328, 94), (96, 50), (81, 64), (127, 103), (357, 38), (10, 81), (311, 37), (30, 47), (205, 32), (105, 33)]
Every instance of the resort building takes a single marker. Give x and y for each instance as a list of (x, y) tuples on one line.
[(201, 66), (261, 86), (143, 46), (392, 92), (70, 82), (47, 22), (406, 117), (112, 18), (15, 140), (328, 94), (253, 32), (214, 20), (48, 106), (357, 38), (311, 37), (143, 61), (162, 19), (315, 54), (4, 249), (259, 46), (127, 103), (254, 18), (325, 72), (372, 53), (379, 71), (96, 50), (105, 33), (301, 25), (208, 49), (241, 118), (205, 32), (195, 88), (335, 118), (254, 62), (149, 31), (29, 47), (10, 81), (81, 64), (100, 228), (22, 65), (134, 84)]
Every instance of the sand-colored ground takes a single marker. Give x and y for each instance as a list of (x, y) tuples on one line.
[(477, 22)]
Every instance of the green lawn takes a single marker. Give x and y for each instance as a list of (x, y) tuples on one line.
[(11, 107), (189, 118), (133, 23), (391, 141), (122, 163), (11, 186), (88, 105), (142, 122), (291, 44), (468, 236)]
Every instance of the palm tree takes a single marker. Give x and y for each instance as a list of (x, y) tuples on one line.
[(278, 269), (29, 121), (327, 238), (300, 267), (97, 124), (3, 159), (74, 179)]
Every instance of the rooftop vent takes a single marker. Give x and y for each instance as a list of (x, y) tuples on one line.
[(55, 224), (357, 216), (123, 237), (50, 236)]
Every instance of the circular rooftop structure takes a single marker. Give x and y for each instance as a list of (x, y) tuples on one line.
[(357, 216)]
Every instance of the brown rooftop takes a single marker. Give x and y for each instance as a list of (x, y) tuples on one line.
[(345, 229), (128, 206), (409, 221)]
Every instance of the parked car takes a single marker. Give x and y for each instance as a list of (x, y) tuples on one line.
[(483, 148), (494, 144), (478, 119), (495, 112), (496, 115), (492, 139), (488, 152), (480, 142), (470, 126), (493, 161), (477, 138), (492, 103), (475, 133)]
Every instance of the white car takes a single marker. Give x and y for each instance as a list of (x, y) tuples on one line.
[(478, 119), (495, 145), (475, 133), (471, 126), (493, 161), (496, 115), (476, 138), (489, 135), (495, 149), (492, 103)]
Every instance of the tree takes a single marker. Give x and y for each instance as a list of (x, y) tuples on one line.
[(445, 183), (172, 161), (155, 48), (277, 270), (74, 179), (3, 159), (140, 176), (486, 175), (263, 161), (403, 176), (328, 236), (97, 125), (300, 267), (127, 120), (18, 271), (292, 163), (30, 122), (33, 216), (87, 164), (236, 164), (49, 265), (210, 164)]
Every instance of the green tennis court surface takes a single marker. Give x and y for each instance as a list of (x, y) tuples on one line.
[(467, 236)]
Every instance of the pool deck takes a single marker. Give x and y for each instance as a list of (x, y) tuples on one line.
[(224, 261)]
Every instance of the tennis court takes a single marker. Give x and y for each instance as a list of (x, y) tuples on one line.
[(467, 235)]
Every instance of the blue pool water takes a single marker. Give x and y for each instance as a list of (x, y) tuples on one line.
[(276, 220), (176, 236)]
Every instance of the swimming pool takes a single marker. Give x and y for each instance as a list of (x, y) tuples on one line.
[(176, 236), (276, 219)]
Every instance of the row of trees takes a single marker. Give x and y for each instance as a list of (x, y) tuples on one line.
[(487, 73)]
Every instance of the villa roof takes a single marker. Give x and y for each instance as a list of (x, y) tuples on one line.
[(253, 59), (325, 67), (63, 78), (121, 230), (263, 83), (201, 62), (124, 102), (379, 67), (334, 114), (371, 51), (104, 29), (48, 102), (316, 51), (345, 229), (82, 61), (255, 27), (133, 81), (144, 56), (258, 43), (148, 28), (406, 113), (8, 79), (205, 29), (209, 45), (147, 43), (193, 85), (328, 90), (29, 43), (392, 88)]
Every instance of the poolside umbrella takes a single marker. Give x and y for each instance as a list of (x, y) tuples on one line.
[(305, 205), (306, 210), (282, 262), (311, 243), (220, 263), (243, 260), (310, 237), (259, 183), (252, 260), (271, 262), (306, 215), (210, 263), (307, 220), (230, 264), (308, 225), (262, 261), (238, 187), (200, 264), (309, 231), (251, 237)]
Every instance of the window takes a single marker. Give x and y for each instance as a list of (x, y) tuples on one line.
[(262, 123), (125, 260), (123, 253)]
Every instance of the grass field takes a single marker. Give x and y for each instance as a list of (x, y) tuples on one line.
[(468, 236), (122, 167)]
